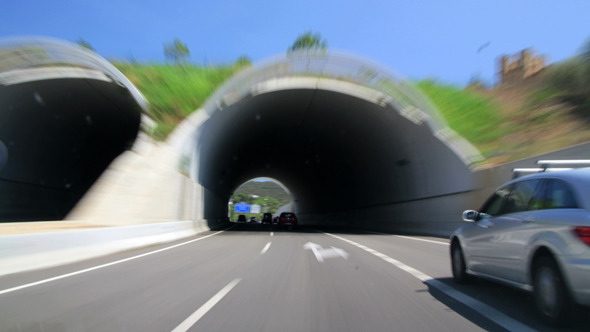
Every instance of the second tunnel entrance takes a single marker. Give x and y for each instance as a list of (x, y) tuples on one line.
[(353, 149)]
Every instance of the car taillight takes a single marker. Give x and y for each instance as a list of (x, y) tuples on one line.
[(583, 234)]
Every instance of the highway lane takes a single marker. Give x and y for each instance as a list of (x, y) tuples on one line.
[(260, 278)]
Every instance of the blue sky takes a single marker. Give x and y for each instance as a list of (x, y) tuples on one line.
[(415, 38)]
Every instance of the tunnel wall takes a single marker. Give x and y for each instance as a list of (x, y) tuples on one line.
[(142, 185), (441, 215), (437, 216)]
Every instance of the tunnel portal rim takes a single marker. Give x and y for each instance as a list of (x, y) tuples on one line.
[(62, 53), (320, 66), (266, 178)]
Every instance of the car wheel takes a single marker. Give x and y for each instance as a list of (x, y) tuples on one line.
[(551, 296), (458, 264)]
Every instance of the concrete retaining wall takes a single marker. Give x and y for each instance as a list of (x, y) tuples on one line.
[(36, 251)]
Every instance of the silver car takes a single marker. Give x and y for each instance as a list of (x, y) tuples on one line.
[(532, 233)]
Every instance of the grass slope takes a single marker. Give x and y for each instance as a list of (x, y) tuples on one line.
[(508, 123), (474, 117), (174, 91)]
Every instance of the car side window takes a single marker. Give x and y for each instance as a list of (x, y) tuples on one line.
[(520, 197), (538, 200), (494, 204), (559, 196)]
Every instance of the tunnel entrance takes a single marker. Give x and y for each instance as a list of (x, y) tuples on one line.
[(66, 114), (356, 146), (258, 196)]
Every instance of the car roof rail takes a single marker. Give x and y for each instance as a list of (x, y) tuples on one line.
[(518, 172), (545, 166), (566, 162)]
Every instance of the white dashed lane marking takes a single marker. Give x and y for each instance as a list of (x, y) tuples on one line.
[(265, 249)]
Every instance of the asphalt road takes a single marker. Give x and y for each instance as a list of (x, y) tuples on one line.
[(261, 278)]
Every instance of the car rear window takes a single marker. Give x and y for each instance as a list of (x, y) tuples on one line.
[(559, 196), (288, 215)]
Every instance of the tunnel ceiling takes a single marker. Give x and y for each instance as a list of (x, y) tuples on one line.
[(337, 142)]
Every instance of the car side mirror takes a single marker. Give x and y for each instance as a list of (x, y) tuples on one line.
[(470, 215)]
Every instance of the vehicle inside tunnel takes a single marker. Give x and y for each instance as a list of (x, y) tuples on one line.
[(349, 154), (65, 116)]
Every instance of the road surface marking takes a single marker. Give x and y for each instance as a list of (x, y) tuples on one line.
[(265, 249), (424, 240), (321, 253), (411, 238), (272, 233), (487, 311), (192, 319), (44, 281)]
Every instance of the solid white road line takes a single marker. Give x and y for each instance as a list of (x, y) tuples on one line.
[(411, 238), (484, 309), (265, 249), (44, 281), (424, 240), (192, 319)]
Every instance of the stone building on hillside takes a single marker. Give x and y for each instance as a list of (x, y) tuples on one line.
[(521, 66)]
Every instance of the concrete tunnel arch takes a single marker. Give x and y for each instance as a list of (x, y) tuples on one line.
[(356, 145)]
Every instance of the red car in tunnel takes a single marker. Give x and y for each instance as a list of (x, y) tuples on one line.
[(287, 219)]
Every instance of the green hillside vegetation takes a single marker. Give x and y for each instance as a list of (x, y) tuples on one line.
[(508, 123), (473, 116), (175, 91), (569, 82)]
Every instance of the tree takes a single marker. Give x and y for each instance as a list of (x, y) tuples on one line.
[(243, 61), (85, 44), (586, 52), (571, 80), (176, 51), (309, 41), (241, 197)]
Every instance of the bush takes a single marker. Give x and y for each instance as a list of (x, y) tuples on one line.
[(174, 92), (572, 81)]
